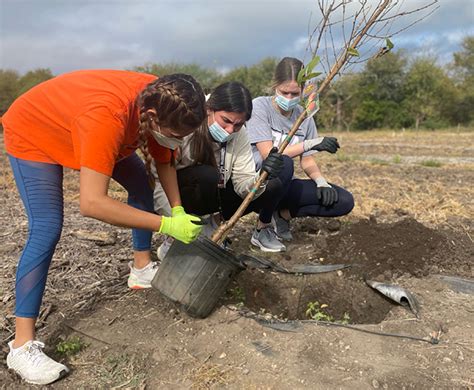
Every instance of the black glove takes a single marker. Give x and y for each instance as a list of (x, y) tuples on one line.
[(321, 144), (273, 164), (325, 193)]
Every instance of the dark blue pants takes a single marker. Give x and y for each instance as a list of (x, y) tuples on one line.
[(301, 200), (41, 190)]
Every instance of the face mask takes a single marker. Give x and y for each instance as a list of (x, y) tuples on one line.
[(219, 134), (167, 142), (286, 104)]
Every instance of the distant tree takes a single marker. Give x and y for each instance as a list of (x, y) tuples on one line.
[(32, 78), (8, 88), (257, 78), (338, 103), (464, 68), (206, 77), (429, 94), (379, 92)]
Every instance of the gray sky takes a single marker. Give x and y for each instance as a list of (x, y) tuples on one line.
[(65, 35)]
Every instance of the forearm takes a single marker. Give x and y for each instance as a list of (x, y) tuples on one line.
[(310, 167), (117, 213), (294, 150), (290, 151), (169, 182)]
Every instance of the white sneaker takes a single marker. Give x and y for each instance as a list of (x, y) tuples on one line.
[(164, 248), (33, 365), (141, 278)]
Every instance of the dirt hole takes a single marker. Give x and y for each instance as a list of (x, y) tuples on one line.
[(290, 297), (376, 251)]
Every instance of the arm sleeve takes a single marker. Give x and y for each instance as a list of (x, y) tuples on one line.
[(258, 126), (97, 136), (243, 169)]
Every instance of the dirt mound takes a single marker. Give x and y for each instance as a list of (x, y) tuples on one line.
[(377, 251)]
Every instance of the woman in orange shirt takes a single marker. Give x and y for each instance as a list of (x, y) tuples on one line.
[(94, 121)]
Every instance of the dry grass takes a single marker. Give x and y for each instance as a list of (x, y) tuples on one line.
[(434, 196), (209, 375)]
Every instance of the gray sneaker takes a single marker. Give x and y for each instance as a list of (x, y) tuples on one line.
[(267, 240), (281, 227)]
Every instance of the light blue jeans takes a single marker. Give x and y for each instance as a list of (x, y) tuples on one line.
[(41, 190)]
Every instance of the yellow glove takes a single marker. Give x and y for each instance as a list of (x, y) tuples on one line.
[(184, 227)]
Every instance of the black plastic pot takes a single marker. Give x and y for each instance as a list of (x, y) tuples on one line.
[(196, 275)]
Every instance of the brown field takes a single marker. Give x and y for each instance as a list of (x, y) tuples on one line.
[(412, 226)]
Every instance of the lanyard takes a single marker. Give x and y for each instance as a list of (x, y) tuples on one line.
[(221, 183)]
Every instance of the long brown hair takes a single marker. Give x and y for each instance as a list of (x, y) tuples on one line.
[(286, 70), (179, 103), (231, 96)]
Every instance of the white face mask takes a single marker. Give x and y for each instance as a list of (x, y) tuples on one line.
[(167, 142)]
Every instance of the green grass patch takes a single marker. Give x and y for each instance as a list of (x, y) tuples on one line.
[(397, 159), (343, 157), (70, 346), (431, 163), (378, 161)]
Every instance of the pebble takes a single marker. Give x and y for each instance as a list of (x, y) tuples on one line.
[(375, 384), (222, 355), (245, 371)]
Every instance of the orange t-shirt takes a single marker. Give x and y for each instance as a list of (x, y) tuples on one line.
[(81, 119)]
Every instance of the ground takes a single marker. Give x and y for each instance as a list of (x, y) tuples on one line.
[(412, 227)]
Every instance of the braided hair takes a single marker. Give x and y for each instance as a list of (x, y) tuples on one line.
[(179, 103)]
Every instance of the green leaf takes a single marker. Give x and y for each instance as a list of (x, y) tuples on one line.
[(389, 43), (353, 52), (309, 68), (300, 79), (313, 75)]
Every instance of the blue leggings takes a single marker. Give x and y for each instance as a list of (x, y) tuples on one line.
[(41, 190), (301, 199)]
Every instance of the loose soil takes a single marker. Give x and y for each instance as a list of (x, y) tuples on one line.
[(412, 224)]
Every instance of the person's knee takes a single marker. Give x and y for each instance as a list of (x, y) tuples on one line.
[(345, 203), (288, 170), (46, 232)]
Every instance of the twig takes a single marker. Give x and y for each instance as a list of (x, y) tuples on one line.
[(87, 335)]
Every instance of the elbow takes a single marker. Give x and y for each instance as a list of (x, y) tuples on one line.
[(88, 207)]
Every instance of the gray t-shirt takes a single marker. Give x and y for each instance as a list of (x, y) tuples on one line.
[(267, 124)]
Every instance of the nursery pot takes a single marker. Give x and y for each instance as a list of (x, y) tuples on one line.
[(196, 275)]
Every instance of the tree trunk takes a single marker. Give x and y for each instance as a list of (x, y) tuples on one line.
[(338, 113)]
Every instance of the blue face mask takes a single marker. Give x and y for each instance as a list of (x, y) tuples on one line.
[(218, 133), (286, 104)]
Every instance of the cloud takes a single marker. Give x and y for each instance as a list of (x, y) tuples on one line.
[(67, 35)]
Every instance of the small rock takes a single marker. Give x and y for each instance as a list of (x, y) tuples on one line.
[(385, 386), (222, 355), (334, 225), (339, 273), (447, 360), (375, 384), (245, 371)]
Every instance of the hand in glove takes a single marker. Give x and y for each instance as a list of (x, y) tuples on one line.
[(184, 227), (325, 193), (321, 144), (273, 164)]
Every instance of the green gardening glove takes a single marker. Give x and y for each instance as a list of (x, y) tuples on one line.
[(184, 227)]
